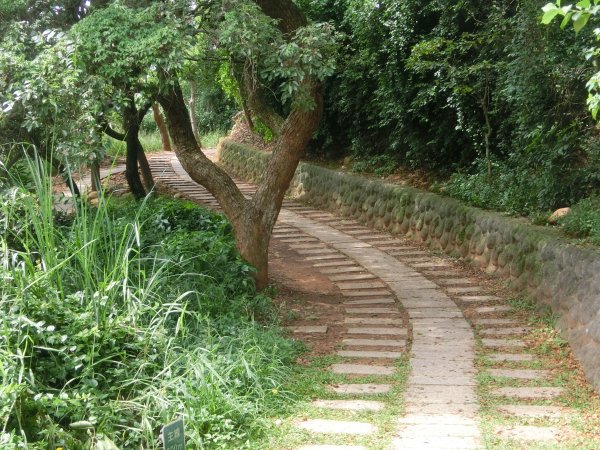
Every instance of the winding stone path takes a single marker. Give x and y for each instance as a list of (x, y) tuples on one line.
[(403, 301)]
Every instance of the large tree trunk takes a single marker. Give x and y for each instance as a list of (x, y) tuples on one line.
[(145, 168), (252, 220), (193, 119), (132, 127), (162, 129)]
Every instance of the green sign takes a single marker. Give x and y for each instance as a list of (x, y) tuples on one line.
[(173, 436)]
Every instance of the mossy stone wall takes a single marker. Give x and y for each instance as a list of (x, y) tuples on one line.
[(561, 276)]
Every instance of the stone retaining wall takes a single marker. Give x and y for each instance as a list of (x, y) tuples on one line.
[(564, 277)]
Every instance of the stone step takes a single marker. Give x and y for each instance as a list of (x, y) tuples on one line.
[(350, 405), (453, 281), (352, 277), (368, 354), (347, 286), (435, 442), (337, 427), (378, 331), (478, 298), (510, 357), (374, 342), (482, 322), (520, 374), (441, 273), (326, 257), (370, 301), (310, 329), (318, 251), (463, 290), (373, 321), (528, 392), (366, 293), (341, 263), (362, 369), (360, 389), (372, 310), (342, 270), (332, 447), (513, 331), (527, 433), (536, 411), (493, 309), (497, 343)]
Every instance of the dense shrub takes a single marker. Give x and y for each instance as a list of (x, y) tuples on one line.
[(123, 318), (464, 88)]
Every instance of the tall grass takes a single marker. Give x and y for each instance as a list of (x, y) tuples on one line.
[(123, 317), (151, 142)]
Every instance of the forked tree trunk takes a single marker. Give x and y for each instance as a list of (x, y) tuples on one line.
[(132, 127), (145, 168), (162, 129), (253, 219)]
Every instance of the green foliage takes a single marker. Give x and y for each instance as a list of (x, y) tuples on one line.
[(584, 220), (123, 317), (380, 165), (465, 88)]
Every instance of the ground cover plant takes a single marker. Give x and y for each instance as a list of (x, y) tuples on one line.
[(121, 318)]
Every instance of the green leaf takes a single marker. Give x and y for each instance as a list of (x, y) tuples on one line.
[(550, 15), (584, 4), (566, 20), (580, 21)]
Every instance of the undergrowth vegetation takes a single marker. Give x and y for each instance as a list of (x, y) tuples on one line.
[(123, 317)]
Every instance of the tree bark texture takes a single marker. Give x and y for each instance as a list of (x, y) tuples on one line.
[(162, 129), (253, 219), (193, 119)]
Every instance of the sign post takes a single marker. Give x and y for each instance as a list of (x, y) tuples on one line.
[(174, 436)]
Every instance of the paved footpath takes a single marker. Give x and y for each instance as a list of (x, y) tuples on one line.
[(396, 295)]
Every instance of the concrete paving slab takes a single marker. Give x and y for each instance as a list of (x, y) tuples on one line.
[(370, 301), (499, 343), (510, 357), (463, 290), (493, 309), (441, 394), (374, 342), (437, 443), (337, 427), (311, 329), (426, 303), (350, 405), (340, 263), (368, 354), (325, 257), (372, 310), (360, 389), (460, 411), (529, 392), (317, 251), (366, 293), (347, 286), (362, 369), (352, 277), (336, 270), (438, 430), (332, 447), (512, 331), (380, 331), (519, 374), (482, 322), (415, 313), (373, 321), (453, 281), (478, 298), (527, 433), (536, 411)]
